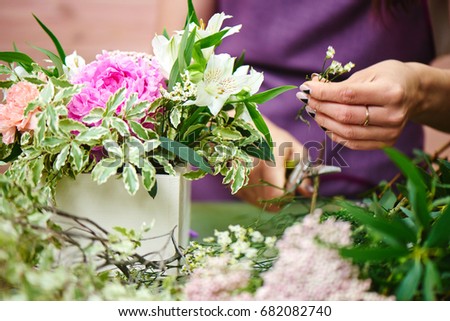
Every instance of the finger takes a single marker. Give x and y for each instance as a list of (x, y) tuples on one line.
[(359, 144), (357, 132), (357, 114), (346, 92)]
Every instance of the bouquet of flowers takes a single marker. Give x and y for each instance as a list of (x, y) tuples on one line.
[(135, 115)]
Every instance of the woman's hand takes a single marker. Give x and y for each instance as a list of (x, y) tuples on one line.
[(286, 148), (370, 109)]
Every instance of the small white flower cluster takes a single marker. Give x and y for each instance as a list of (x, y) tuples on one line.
[(181, 92), (330, 52), (335, 68), (242, 244)]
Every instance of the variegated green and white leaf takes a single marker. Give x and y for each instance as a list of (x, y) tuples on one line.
[(130, 179), (76, 155), (67, 92), (104, 169), (61, 158), (151, 144), (168, 168), (92, 135), (148, 175), (113, 149), (141, 132), (135, 151), (47, 93), (175, 116), (95, 116), (121, 126), (114, 101)]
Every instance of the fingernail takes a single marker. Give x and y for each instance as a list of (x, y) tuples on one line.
[(305, 89), (323, 128), (303, 97), (311, 112)]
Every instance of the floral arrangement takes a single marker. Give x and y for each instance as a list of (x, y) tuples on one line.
[(135, 115), (186, 104)]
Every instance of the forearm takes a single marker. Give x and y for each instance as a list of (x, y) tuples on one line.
[(172, 13), (433, 98)]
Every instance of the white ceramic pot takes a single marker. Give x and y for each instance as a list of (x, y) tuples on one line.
[(109, 205)]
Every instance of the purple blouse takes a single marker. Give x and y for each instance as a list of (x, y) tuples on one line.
[(287, 40)]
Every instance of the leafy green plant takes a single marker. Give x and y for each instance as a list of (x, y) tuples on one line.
[(404, 235)]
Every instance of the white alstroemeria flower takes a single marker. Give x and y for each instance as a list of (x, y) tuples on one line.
[(166, 52), (72, 64), (214, 26), (219, 83)]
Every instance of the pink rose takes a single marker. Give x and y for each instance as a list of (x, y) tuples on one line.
[(12, 113)]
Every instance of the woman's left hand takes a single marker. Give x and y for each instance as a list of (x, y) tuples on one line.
[(368, 110)]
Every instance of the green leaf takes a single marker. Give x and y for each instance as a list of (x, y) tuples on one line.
[(212, 40), (174, 76), (4, 70), (191, 15), (227, 133), (47, 93), (92, 135), (368, 254), (6, 84), (37, 168), (104, 169), (393, 231), (260, 125), (114, 150), (61, 158), (121, 126), (114, 102), (189, 47), (440, 230), (175, 116), (135, 151), (168, 168), (12, 56), (185, 153), (262, 97), (77, 156), (68, 125), (409, 285), (148, 175), (239, 179), (431, 281), (416, 186), (66, 93), (53, 142), (62, 54), (15, 152), (130, 179), (95, 116), (260, 150), (54, 58), (142, 132), (194, 175), (137, 111), (388, 200)]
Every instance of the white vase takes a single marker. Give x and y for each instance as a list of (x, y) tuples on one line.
[(109, 205)]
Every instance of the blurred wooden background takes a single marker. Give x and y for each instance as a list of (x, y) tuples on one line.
[(90, 26)]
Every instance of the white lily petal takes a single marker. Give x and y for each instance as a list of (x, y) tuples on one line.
[(166, 52)]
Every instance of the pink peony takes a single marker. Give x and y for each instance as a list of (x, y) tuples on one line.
[(12, 113), (110, 72)]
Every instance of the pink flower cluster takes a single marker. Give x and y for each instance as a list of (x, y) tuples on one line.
[(309, 270), (218, 280), (12, 113), (110, 72)]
